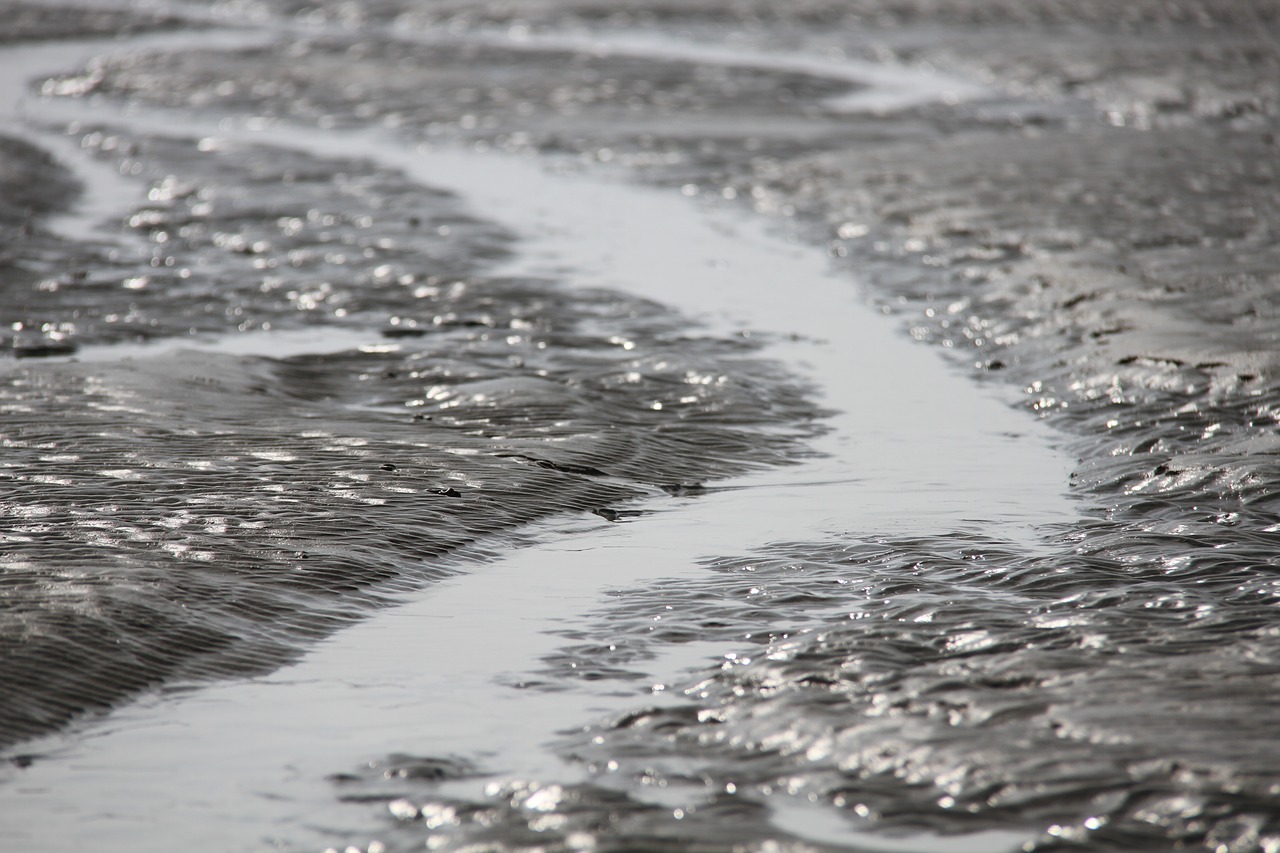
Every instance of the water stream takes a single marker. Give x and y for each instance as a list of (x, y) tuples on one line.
[(912, 447)]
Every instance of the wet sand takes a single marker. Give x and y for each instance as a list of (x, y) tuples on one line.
[(855, 600), (503, 620)]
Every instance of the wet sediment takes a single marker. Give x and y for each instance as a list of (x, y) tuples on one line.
[(1098, 229), (188, 515)]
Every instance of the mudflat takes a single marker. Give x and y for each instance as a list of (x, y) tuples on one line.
[(273, 371)]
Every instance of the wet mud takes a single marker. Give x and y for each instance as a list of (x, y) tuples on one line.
[(1074, 201), (188, 515)]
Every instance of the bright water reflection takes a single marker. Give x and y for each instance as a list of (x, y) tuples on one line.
[(886, 615)]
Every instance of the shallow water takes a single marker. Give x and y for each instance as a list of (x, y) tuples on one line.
[(441, 451), (510, 612)]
